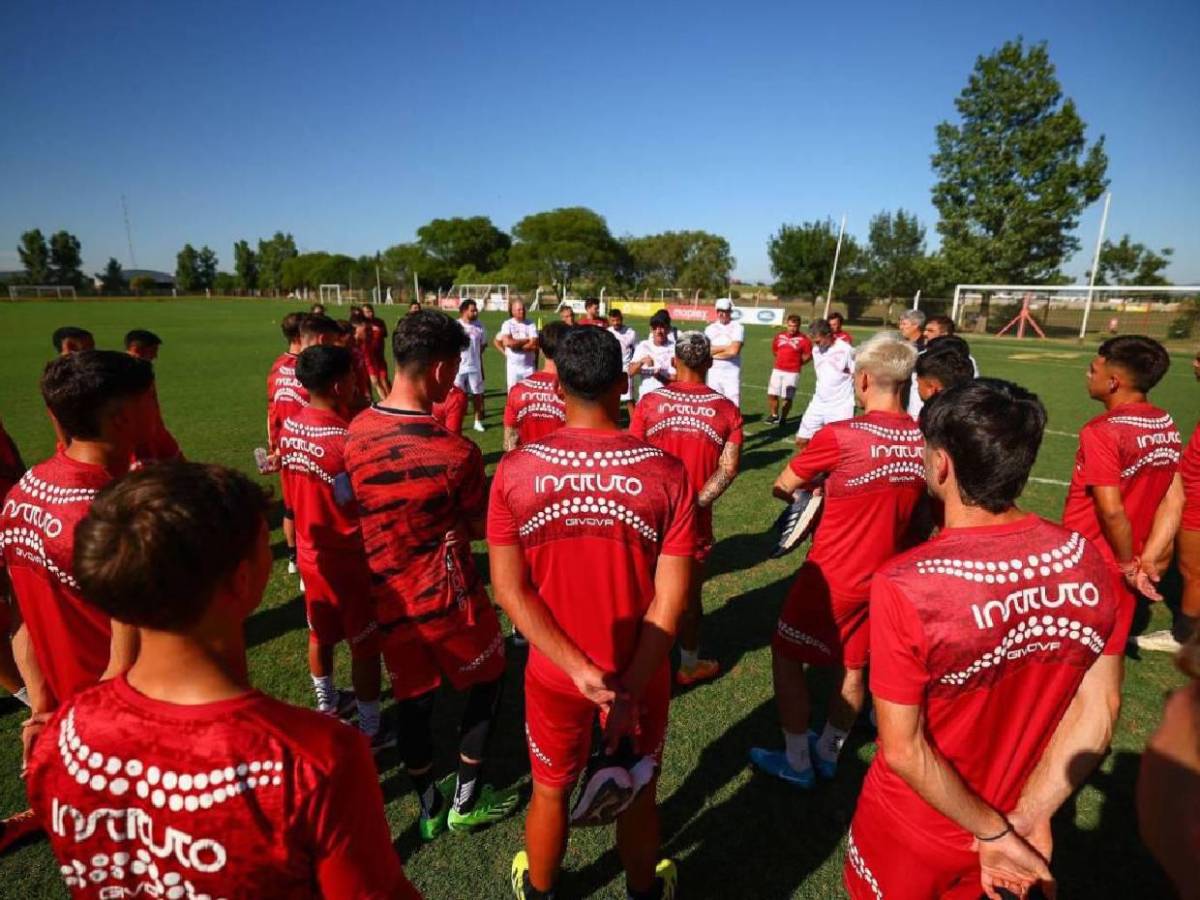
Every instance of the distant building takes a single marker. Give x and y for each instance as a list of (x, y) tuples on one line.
[(163, 281)]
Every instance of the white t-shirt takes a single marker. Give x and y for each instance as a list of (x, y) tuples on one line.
[(521, 331), (721, 335), (628, 339), (471, 361), (663, 356), (834, 368)]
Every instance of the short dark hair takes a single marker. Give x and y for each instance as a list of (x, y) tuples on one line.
[(462, 307), (318, 309), (819, 328), (427, 336), (158, 543), (1144, 358), (69, 333), (616, 314), (346, 327), (833, 315), (290, 325), (947, 365), (588, 362), (319, 367), (81, 390), (950, 343), (141, 338), (992, 430), (591, 301), (357, 317), (795, 318), (551, 336), (944, 322), (661, 319), (317, 324)]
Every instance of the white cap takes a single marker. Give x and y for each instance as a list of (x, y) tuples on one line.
[(724, 304)]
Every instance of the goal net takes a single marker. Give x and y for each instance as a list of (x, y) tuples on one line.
[(331, 293), (17, 291), (1063, 311), (486, 296)]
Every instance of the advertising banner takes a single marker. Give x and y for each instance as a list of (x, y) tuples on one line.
[(641, 308), (692, 313), (449, 302), (758, 315)]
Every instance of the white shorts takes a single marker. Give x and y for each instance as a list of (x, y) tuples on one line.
[(627, 397), (819, 414), (517, 374), (470, 382), (727, 383), (782, 384)]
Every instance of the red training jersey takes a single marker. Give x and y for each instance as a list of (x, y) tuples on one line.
[(362, 374), (376, 339), (598, 322), (285, 395), (160, 445), (592, 511), (534, 408), (452, 410), (1135, 447), (1189, 471), (248, 797), (791, 351), (991, 630), (313, 445), (418, 487), (12, 467), (71, 637), (876, 478), (843, 336)]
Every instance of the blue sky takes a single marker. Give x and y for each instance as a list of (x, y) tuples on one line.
[(351, 124)]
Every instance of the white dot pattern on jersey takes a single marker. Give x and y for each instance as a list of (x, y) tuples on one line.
[(686, 422), (313, 431), (119, 867), (583, 506), (681, 397), (52, 493), (909, 435), (1010, 571), (32, 540), (905, 467), (859, 865), (301, 461), (1028, 630), (536, 750), (576, 459), (796, 636), (1163, 421), (542, 409), (496, 644), (1154, 457), (173, 790), (287, 393)]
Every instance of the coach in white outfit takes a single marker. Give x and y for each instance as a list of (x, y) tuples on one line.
[(470, 363), (518, 341), (833, 396), (726, 337)]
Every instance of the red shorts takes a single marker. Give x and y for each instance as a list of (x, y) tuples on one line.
[(1126, 607), (820, 629), (704, 533), (558, 727), (879, 865), (472, 655), (337, 600)]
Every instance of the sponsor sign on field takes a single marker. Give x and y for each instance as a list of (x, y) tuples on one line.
[(642, 308), (758, 315), (692, 313), (449, 302)]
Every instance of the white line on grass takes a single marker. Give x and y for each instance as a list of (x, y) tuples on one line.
[(1050, 481)]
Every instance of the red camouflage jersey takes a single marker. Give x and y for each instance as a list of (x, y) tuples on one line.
[(990, 630), (248, 797), (312, 446), (1189, 470), (70, 637), (592, 510), (876, 479), (534, 408), (418, 486), (791, 351), (285, 395), (1135, 447)]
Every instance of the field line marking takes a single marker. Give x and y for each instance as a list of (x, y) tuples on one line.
[(1050, 481), (1069, 434)]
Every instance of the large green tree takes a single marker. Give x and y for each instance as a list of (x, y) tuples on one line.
[(245, 265), (895, 253), (272, 254), (1126, 262), (112, 279), (66, 261), (187, 263), (206, 268), (405, 260), (459, 242), (802, 257), (560, 246), (692, 260), (35, 256), (1014, 173)]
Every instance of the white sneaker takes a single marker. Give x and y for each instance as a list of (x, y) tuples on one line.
[(1160, 641), (292, 567), (479, 426)]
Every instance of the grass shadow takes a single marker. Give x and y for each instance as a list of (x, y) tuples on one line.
[(274, 621)]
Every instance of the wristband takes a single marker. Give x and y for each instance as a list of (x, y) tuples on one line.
[(995, 837)]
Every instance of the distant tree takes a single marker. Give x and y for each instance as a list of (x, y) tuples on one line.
[(802, 257), (65, 259), (187, 264), (226, 283), (1015, 172), (692, 260), (562, 245), (141, 283), (459, 242), (35, 256), (112, 279), (206, 268), (1128, 263), (405, 260), (245, 264), (271, 256), (895, 251)]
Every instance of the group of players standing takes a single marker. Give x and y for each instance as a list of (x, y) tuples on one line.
[(994, 647)]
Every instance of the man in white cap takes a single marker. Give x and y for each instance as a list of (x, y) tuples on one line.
[(726, 337)]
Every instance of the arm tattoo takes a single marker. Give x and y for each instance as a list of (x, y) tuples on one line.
[(510, 438), (723, 477)]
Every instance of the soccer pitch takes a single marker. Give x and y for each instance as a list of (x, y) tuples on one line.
[(734, 834)]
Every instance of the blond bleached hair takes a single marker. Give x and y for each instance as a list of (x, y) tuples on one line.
[(887, 358)]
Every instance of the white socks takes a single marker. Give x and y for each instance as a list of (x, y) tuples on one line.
[(689, 658), (326, 693), (797, 751), (368, 717), (829, 744)]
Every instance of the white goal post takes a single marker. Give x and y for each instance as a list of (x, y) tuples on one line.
[(17, 291), (331, 292)]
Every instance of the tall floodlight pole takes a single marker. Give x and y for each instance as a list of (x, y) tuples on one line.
[(128, 233), (833, 274), (1087, 307), (378, 286), (416, 287)]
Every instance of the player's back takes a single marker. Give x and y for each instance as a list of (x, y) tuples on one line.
[(247, 797), (691, 422), (592, 511), (833, 367), (993, 629), (534, 407), (312, 444)]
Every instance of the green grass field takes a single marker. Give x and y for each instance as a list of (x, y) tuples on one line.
[(734, 834)]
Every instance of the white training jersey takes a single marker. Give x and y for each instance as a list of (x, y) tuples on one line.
[(721, 335), (521, 331), (834, 368), (663, 356), (471, 361), (628, 339)]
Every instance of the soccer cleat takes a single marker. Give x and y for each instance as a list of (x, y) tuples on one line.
[(772, 420), (774, 762), (520, 874), (15, 829), (826, 768), (1160, 641), (432, 826), (606, 793), (668, 874), (702, 671), (797, 521), (479, 426), (345, 707), (490, 806), (292, 570)]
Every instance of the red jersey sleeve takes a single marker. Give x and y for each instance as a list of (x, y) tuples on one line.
[(898, 671), (737, 436), (680, 534), (637, 425), (821, 455), (501, 524), (472, 485), (1098, 460), (353, 848)]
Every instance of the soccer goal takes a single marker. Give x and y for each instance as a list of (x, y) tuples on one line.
[(486, 296), (331, 293), (672, 296), (17, 291), (1075, 310)]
